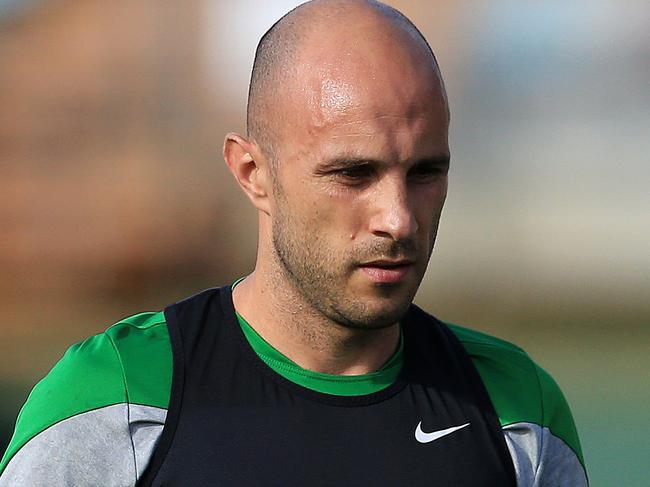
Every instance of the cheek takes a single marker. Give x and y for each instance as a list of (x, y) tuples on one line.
[(429, 205), (351, 218), (338, 213)]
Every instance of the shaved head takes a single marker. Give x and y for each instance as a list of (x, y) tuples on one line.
[(346, 160), (306, 39)]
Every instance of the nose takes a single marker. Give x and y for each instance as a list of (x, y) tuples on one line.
[(392, 216)]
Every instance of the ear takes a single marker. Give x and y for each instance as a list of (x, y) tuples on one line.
[(250, 169)]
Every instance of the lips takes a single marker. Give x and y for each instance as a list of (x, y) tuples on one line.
[(387, 271)]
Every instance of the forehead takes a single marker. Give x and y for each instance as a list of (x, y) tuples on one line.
[(366, 109), (373, 85)]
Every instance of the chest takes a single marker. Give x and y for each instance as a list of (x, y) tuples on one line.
[(233, 421), (294, 442)]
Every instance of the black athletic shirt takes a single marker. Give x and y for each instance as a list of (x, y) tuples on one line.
[(233, 421)]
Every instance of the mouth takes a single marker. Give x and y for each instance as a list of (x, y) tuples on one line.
[(385, 271)]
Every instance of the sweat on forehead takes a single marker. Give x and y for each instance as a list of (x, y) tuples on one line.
[(325, 49)]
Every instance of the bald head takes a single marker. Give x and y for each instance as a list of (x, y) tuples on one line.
[(356, 39)]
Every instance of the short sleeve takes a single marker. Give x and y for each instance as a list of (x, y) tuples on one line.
[(96, 418), (72, 422)]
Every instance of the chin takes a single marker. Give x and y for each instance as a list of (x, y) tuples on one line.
[(388, 304), (373, 313), (392, 313)]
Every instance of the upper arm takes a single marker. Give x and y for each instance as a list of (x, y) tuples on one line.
[(560, 460), (74, 429), (95, 419)]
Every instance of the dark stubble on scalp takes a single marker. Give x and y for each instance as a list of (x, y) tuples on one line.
[(317, 274)]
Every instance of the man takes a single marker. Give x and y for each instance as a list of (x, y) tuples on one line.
[(315, 369)]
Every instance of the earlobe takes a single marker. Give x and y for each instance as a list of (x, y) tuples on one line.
[(248, 166)]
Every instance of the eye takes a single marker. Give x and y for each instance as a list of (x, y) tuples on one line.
[(428, 170), (354, 175), (355, 172)]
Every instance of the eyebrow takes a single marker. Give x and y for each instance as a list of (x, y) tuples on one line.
[(441, 160), (437, 160)]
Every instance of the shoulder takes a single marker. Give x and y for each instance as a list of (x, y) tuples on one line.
[(142, 347), (522, 392), (96, 382)]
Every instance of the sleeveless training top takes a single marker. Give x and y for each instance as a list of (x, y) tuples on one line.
[(233, 421)]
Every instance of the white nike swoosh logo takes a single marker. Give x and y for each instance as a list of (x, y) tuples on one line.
[(423, 437)]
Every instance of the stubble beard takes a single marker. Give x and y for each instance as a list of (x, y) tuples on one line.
[(319, 277)]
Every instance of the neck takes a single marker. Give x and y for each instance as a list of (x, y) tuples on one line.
[(279, 314)]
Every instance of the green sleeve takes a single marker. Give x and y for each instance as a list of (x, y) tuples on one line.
[(520, 390), (130, 363), (556, 414), (88, 377)]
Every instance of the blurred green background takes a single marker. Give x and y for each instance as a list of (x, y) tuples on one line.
[(114, 198)]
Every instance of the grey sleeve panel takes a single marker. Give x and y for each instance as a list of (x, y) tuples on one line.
[(146, 424), (110, 446), (542, 459)]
